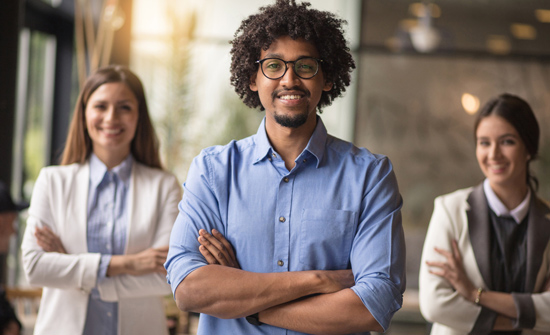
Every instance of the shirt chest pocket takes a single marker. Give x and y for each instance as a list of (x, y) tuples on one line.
[(325, 238)]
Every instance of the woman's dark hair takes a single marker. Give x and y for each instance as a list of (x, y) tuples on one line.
[(519, 114), (144, 146), (286, 18)]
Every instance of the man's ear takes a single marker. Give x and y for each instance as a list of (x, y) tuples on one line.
[(328, 86), (253, 86)]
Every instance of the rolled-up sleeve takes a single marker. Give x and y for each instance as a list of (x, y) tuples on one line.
[(525, 309), (378, 251), (197, 210)]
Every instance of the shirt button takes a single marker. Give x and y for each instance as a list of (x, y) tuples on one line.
[(282, 219), (269, 158), (107, 247), (305, 160), (280, 262), (109, 314), (285, 179), (274, 154)]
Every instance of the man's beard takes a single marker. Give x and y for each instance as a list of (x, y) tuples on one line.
[(291, 121), (294, 121)]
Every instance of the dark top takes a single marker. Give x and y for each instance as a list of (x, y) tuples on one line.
[(7, 313), (508, 256)]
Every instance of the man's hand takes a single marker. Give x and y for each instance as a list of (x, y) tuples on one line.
[(216, 249), (148, 261), (336, 280), (48, 241)]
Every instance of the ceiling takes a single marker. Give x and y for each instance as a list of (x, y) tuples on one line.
[(463, 26)]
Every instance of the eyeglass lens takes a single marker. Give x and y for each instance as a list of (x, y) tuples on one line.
[(304, 67)]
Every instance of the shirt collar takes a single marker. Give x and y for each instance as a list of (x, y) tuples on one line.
[(315, 146), (518, 214), (262, 146), (98, 170)]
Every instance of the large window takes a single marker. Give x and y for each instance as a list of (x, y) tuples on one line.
[(34, 107)]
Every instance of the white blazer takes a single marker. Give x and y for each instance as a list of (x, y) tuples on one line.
[(59, 200), (464, 216)]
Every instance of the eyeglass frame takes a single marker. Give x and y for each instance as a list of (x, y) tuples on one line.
[(318, 60)]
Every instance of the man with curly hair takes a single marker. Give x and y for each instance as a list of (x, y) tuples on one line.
[(291, 230)]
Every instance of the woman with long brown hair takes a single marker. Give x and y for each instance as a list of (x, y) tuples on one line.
[(99, 223)]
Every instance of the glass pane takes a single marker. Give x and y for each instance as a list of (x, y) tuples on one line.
[(33, 124), (39, 99)]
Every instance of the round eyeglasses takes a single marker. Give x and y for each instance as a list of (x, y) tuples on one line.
[(275, 68)]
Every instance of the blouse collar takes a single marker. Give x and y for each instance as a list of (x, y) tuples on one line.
[(518, 214)]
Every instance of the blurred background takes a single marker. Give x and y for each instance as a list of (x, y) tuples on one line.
[(423, 70)]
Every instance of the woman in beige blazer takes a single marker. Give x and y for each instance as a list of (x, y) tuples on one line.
[(99, 224), (486, 260)]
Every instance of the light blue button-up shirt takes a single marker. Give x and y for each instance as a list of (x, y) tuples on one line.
[(107, 224), (338, 208)]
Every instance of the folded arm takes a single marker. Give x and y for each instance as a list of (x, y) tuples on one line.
[(340, 312), (141, 273), (515, 311), (58, 270), (453, 271), (240, 293), (448, 290), (377, 258)]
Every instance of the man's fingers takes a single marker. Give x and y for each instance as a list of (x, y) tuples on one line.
[(225, 242), (213, 245), (207, 255), (217, 255), (213, 240)]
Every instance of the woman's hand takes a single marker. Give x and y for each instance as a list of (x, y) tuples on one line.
[(48, 241), (148, 261), (453, 271), (216, 249)]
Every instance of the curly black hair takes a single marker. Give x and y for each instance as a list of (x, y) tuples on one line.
[(286, 18)]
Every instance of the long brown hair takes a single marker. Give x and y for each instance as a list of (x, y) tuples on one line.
[(144, 146)]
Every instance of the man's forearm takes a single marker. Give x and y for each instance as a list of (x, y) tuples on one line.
[(228, 293), (341, 312)]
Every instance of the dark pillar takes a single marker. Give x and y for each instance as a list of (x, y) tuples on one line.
[(11, 13)]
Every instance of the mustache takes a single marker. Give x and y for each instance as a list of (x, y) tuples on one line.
[(306, 92)]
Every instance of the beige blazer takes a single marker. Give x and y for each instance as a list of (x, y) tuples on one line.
[(464, 215), (60, 201)]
